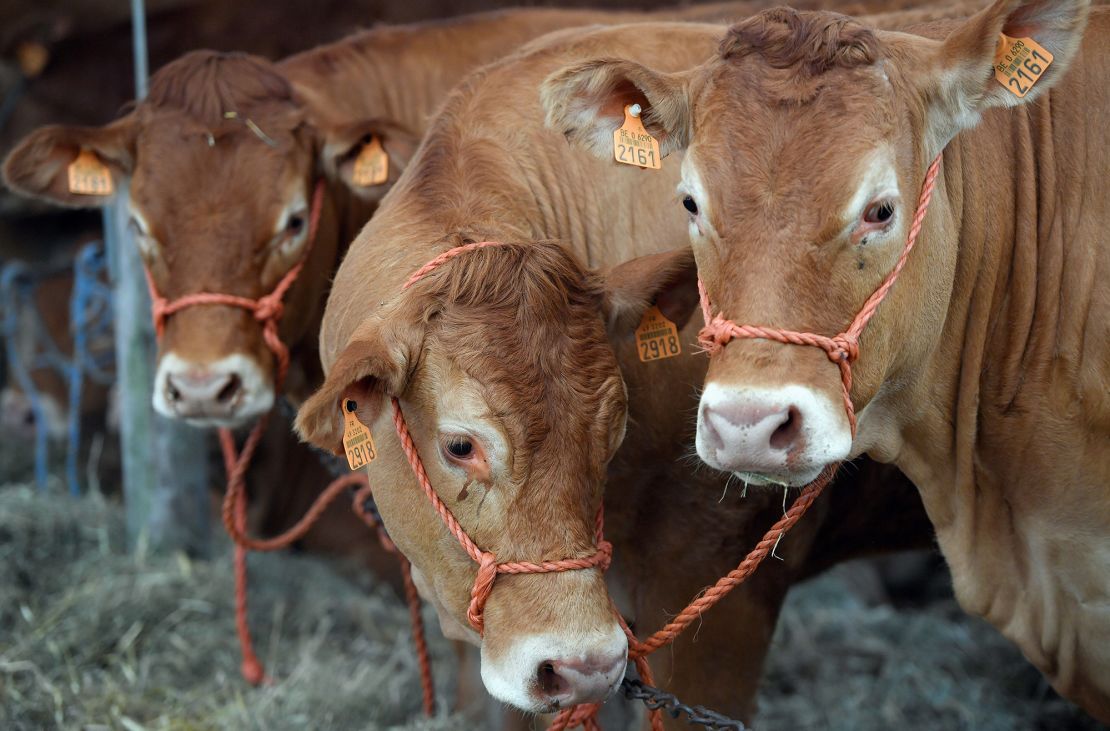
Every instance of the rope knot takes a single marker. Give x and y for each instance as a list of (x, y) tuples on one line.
[(269, 308), (715, 335), (845, 348), (604, 554), (483, 585)]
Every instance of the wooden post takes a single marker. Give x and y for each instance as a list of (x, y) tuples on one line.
[(165, 463)]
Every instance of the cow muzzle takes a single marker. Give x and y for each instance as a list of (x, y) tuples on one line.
[(782, 435), (225, 393), (546, 673)]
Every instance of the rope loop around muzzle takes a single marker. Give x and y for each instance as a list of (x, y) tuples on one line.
[(842, 348), (267, 309), (488, 566)]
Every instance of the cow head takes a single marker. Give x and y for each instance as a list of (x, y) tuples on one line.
[(808, 139), (220, 162), (514, 399)]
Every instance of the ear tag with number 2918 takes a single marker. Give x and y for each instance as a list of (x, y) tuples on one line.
[(357, 442), (657, 336), (372, 164)]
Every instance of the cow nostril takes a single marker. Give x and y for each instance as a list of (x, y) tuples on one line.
[(550, 682), (230, 389), (29, 418), (787, 433), (171, 390)]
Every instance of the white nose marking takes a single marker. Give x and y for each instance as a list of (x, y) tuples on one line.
[(543, 673), (224, 393), (788, 432)]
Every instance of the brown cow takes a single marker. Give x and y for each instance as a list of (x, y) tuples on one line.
[(985, 374), (512, 365), (248, 180)]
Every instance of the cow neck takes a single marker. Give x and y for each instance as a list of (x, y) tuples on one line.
[(974, 440), (1003, 326)]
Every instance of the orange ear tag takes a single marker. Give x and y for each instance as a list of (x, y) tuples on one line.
[(89, 176), (357, 442), (657, 337), (632, 144), (1018, 63), (372, 164)]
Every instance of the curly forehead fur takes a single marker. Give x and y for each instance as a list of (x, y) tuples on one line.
[(206, 85), (810, 42), (524, 320)]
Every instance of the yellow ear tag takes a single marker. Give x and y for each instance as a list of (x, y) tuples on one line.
[(89, 176), (1018, 63), (372, 164), (632, 144), (357, 442), (657, 337)]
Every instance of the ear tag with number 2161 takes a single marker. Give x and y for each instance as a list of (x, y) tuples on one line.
[(632, 144), (357, 442), (87, 175), (1019, 63)]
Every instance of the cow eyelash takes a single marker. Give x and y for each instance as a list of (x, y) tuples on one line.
[(879, 212), (458, 447)]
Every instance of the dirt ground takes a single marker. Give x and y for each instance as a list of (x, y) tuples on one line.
[(93, 638)]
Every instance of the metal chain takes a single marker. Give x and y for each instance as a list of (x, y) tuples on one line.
[(635, 689)]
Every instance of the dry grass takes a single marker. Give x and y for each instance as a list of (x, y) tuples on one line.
[(91, 637), (838, 664), (94, 638)]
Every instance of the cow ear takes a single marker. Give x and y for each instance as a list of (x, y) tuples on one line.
[(964, 67), (374, 366), (668, 280), (586, 103), (38, 167), (348, 152)]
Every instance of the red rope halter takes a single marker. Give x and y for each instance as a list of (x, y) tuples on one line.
[(843, 348), (586, 715), (488, 566), (268, 310)]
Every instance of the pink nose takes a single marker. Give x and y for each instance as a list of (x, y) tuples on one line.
[(760, 437), (204, 392), (563, 683)]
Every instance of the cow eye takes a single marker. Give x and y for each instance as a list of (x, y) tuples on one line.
[(459, 447), (879, 212), (689, 204), (295, 224)]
